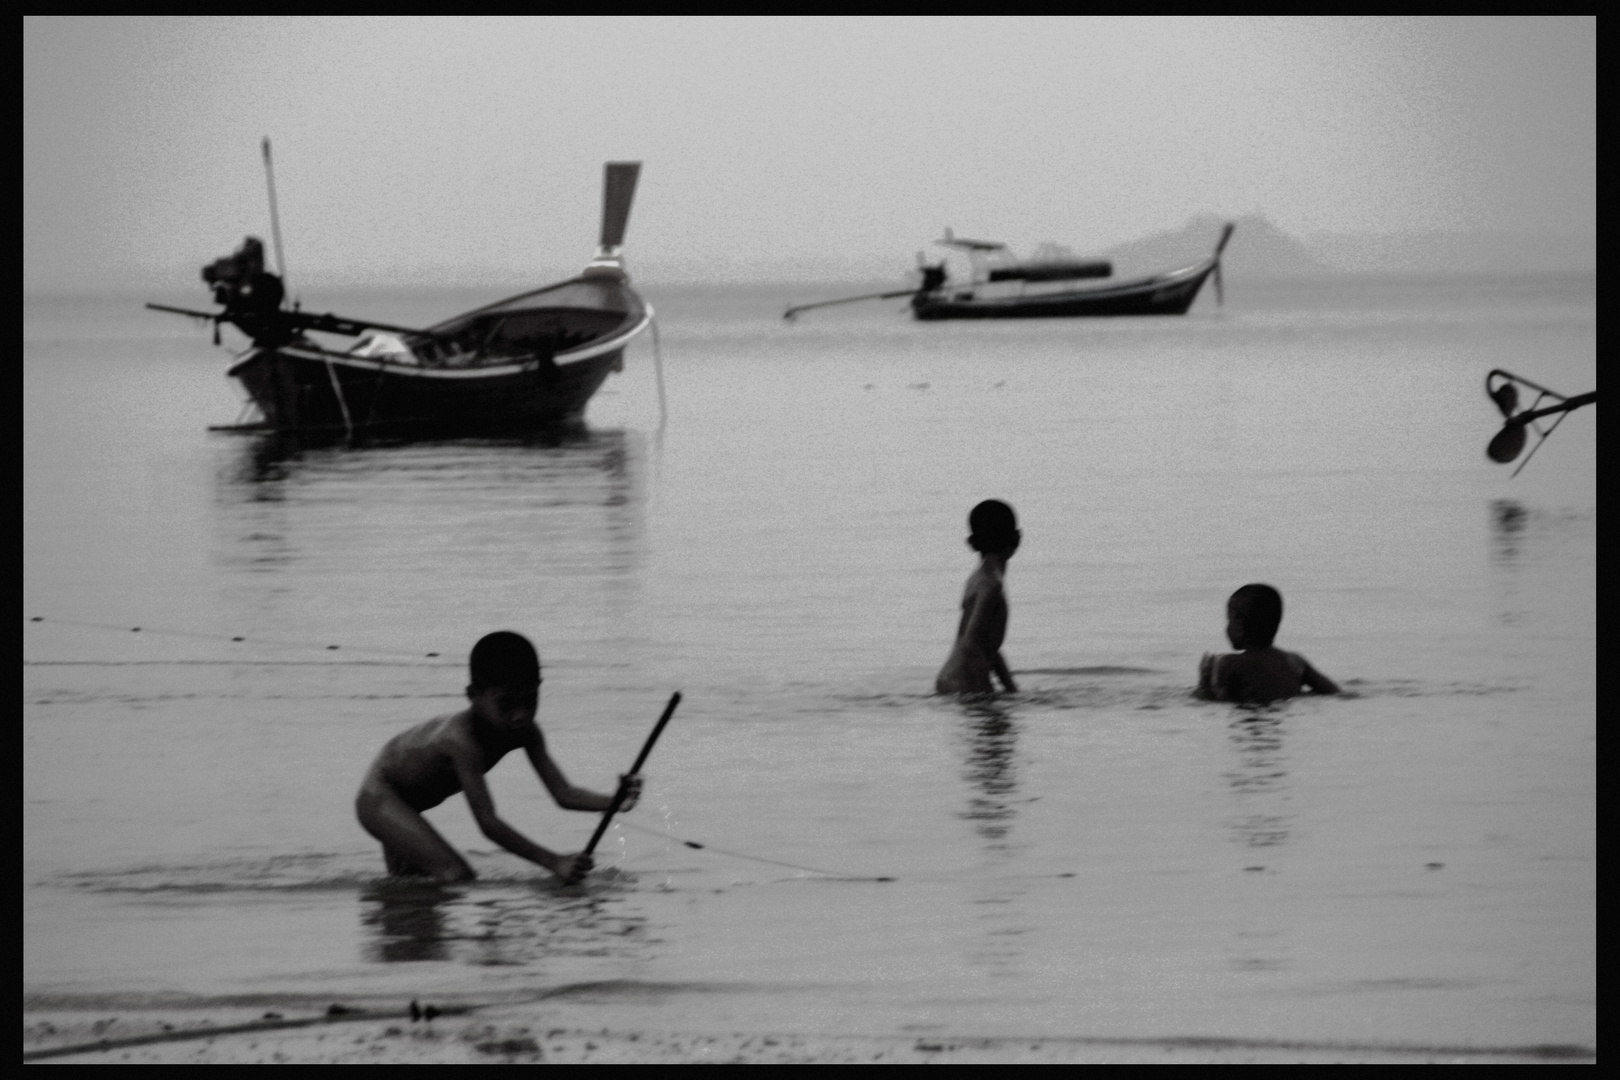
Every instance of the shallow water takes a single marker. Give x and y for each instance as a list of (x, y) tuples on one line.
[(1098, 855)]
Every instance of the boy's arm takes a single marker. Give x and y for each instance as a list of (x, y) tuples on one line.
[(980, 628), (1213, 683), (483, 811), (999, 664), (1318, 682), (565, 794), (1206, 677)]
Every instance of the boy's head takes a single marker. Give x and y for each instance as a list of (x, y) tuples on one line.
[(505, 685), (505, 669), (993, 529), (503, 659), (1253, 614)]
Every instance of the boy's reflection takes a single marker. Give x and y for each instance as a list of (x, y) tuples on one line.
[(405, 920), (991, 746), (1259, 778), (1259, 784), (412, 919)]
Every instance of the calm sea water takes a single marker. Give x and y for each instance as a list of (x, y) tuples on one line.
[(1098, 855)]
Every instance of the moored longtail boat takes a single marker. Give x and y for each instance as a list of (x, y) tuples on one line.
[(1002, 288), (525, 362)]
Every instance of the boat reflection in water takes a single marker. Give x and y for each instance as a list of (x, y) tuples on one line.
[(425, 541)]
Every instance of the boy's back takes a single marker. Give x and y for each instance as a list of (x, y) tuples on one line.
[(978, 636), (420, 762), (976, 653), (1261, 674)]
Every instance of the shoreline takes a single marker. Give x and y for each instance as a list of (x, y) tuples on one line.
[(504, 1034)]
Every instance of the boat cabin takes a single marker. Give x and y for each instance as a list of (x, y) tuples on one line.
[(992, 263)]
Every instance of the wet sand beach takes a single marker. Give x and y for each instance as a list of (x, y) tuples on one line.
[(531, 1034)]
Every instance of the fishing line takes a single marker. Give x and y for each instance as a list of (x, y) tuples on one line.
[(694, 845), (241, 639), (240, 664)]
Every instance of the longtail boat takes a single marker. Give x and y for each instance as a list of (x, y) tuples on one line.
[(1001, 287), (525, 362)]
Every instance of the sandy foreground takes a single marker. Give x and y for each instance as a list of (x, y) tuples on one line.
[(521, 1033)]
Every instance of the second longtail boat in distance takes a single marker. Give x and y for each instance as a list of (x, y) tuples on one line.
[(1001, 287)]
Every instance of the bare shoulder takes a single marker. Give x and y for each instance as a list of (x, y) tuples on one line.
[(443, 734), (1209, 677), (418, 759), (455, 735), (1223, 672), (982, 584)]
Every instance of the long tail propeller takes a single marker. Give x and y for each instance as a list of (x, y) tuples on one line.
[(791, 312), (930, 277), (1503, 389)]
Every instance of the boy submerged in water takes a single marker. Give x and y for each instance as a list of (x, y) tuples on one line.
[(420, 768), (1261, 672), (977, 653)]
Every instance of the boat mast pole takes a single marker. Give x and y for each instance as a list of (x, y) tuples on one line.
[(275, 218)]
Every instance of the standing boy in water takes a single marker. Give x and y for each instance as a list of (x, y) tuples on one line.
[(1261, 672), (977, 653), (421, 767)]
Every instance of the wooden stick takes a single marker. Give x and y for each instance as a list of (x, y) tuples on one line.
[(619, 795)]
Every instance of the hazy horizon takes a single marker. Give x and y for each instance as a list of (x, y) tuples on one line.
[(469, 151)]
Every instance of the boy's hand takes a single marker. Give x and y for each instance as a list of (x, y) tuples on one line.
[(572, 868), (1207, 667), (631, 783)]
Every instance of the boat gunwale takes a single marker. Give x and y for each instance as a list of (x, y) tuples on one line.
[(1112, 289), (578, 279), (584, 351)]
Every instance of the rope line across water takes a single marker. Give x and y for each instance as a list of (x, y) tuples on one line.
[(238, 639), (693, 844)]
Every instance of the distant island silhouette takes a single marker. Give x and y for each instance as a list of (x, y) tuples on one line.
[(1260, 249)]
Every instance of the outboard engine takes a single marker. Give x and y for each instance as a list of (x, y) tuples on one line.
[(250, 294), (241, 284)]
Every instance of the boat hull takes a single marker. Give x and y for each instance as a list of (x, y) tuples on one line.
[(299, 389), (526, 362), (1162, 294)]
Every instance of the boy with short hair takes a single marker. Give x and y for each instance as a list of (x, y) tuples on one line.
[(1261, 672), (421, 767), (976, 655)]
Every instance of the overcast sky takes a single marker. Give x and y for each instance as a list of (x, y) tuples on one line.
[(442, 150)]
